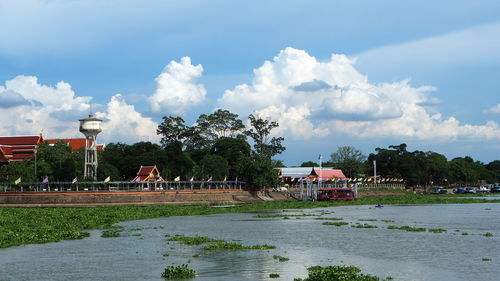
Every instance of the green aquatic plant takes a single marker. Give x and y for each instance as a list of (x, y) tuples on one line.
[(407, 228), (367, 219), (387, 221), (280, 258), (283, 216), (488, 234), (235, 246), (178, 272), (465, 233), (193, 240), (329, 219), (21, 226), (335, 223), (274, 275), (166, 254), (338, 273), (364, 226), (486, 259), (111, 233), (436, 230)]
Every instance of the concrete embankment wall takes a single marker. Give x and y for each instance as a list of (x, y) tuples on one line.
[(117, 198)]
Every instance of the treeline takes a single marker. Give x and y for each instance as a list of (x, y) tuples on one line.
[(218, 146), (416, 168)]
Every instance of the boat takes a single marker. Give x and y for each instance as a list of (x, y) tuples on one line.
[(328, 194)]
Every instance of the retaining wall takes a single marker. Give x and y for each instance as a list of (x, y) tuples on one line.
[(92, 198)]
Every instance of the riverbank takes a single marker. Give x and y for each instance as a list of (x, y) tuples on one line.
[(19, 226)]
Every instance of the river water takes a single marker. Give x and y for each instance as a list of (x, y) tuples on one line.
[(141, 253)]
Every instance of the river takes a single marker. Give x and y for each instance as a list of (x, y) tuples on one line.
[(462, 252)]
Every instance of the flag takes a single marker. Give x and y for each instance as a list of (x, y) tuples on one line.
[(349, 180), (18, 180), (383, 180), (209, 179), (159, 179), (293, 179), (369, 180), (355, 180), (138, 179), (177, 178), (360, 179), (45, 180), (301, 179), (236, 180), (75, 180), (225, 178), (192, 179), (107, 179)]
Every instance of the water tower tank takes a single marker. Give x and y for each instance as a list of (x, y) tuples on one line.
[(90, 126)]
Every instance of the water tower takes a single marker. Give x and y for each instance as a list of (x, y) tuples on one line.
[(90, 127)]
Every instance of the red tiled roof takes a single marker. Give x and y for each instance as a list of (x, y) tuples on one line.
[(328, 174), (74, 143), (19, 147), (148, 173)]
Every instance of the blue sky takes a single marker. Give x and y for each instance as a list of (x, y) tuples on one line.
[(363, 73)]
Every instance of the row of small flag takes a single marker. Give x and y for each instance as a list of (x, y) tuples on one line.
[(46, 180), (357, 180), (75, 180)]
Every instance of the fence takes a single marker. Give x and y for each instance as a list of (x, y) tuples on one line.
[(119, 186)]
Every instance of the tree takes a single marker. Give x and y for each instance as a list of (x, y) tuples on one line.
[(172, 130), (350, 160), (260, 132), (221, 123), (234, 150), (309, 164), (258, 172), (214, 166), (60, 159)]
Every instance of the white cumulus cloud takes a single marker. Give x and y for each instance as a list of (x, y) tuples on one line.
[(177, 90), (311, 98), (123, 123), (28, 108), (493, 110)]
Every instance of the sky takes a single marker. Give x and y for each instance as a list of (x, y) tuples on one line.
[(366, 74)]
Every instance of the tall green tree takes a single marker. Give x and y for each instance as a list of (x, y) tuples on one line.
[(350, 160), (173, 129), (260, 132)]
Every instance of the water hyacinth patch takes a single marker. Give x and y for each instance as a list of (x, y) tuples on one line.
[(329, 219), (436, 230), (337, 273), (364, 226), (178, 272), (335, 223), (407, 228), (236, 246), (280, 258), (194, 240), (274, 275)]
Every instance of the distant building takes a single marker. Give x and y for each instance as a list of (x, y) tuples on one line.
[(312, 173), (18, 148), (148, 173), (75, 144)]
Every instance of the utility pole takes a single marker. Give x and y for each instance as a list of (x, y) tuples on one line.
[(375, 172)]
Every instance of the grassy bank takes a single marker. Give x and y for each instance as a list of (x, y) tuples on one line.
[(19, 226)]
